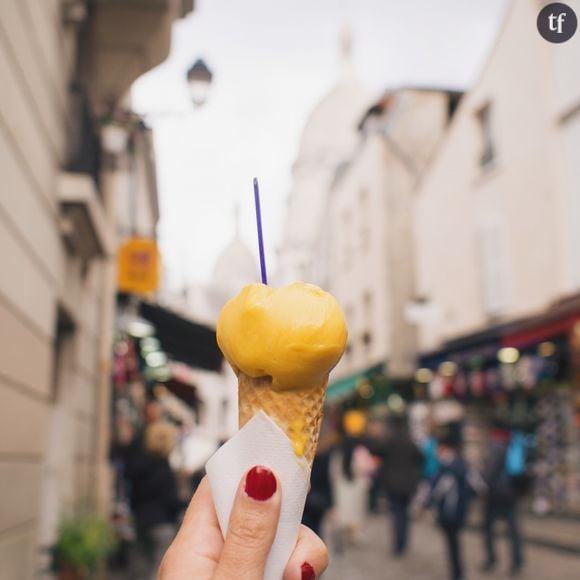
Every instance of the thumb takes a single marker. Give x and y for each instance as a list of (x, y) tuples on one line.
[(252, 526)]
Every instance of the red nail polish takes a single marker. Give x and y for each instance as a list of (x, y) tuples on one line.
[(260, 483), (307, 572)]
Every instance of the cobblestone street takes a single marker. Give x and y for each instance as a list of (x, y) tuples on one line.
[(426, 558)]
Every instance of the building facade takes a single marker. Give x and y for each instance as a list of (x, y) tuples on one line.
[(57, 240), (495, 224), (369, 243), (495, 189), (566, 115)]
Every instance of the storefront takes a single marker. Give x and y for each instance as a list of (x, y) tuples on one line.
[(372, 391), (155, 351), (548, 348), (522, 376)]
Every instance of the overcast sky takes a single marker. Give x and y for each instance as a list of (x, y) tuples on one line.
[(272, 62)]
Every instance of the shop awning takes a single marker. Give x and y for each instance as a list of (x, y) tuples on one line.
[(187, 393), (343, 387), (183, 340), (555, 322)]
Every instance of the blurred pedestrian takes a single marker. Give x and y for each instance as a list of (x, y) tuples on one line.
[(375, 434), (319, 499), (431, 465), (154, 500), (129, 442), (401, 469), (501, 501), (430, 451), (452, 489), (350, 468)]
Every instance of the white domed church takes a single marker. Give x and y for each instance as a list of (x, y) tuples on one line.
[(329, 138), (235, 267)]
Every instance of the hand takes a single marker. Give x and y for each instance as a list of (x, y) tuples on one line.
[(199, 550)]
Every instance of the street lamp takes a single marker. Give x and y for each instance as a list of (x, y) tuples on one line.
[(199, 78), (118, 125)]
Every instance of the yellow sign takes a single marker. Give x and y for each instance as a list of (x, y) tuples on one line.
[(138, 266)]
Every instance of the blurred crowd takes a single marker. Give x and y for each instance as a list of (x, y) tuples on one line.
[(373, 466), (152, 493), (365, 466)]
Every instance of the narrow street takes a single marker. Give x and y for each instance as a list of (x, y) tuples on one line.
[(426, 558), (239, 238)]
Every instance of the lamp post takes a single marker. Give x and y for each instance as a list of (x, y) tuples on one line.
[(199, 79), (118, 125)]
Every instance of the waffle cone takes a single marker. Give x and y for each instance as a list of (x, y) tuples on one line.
[(298, 412)]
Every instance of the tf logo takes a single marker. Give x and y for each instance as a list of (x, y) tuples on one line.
[(557, 22)]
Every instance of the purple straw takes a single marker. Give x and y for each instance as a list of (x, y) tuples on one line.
[(260, 236)]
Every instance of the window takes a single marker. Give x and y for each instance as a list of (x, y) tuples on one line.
[(349, 315), (367, 339), (346, 239), (63, 339), (367, 335), (452, 104), (348, 351), (364, 231), (485, 120), (495, 266)]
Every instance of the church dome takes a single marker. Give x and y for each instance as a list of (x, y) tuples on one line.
[(330, 133), (329, 139)]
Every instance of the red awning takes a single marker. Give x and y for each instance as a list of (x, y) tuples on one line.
[(542, 331)]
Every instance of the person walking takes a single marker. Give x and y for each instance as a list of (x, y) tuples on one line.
[(375, 434), (351, 467), (452, 488), (501, 502), (431, 464), (400, 473), (154, 500), (319, 499)]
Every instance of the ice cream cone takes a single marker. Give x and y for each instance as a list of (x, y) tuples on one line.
[(298, 412)]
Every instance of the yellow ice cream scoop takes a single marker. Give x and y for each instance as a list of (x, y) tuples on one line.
[(295, 334), (282, 343)]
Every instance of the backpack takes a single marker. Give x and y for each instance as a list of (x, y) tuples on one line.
[(516, 465), (431, 461), (515, 457), (451, 494)]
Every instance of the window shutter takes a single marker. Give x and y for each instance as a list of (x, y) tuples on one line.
[(495, 266)]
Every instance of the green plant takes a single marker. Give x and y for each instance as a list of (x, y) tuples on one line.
[(84, 541)]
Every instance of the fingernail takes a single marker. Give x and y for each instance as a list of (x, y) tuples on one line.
[(260, 483), (307, 572)]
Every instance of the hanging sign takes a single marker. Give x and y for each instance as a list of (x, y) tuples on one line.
[(138, 266)]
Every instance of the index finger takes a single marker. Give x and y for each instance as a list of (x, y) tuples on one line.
[(252, 526), (195, 551)]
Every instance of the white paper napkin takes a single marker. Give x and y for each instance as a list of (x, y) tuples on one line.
[(262, 442)]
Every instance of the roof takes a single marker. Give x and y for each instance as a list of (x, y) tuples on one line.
[(382, 105)]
